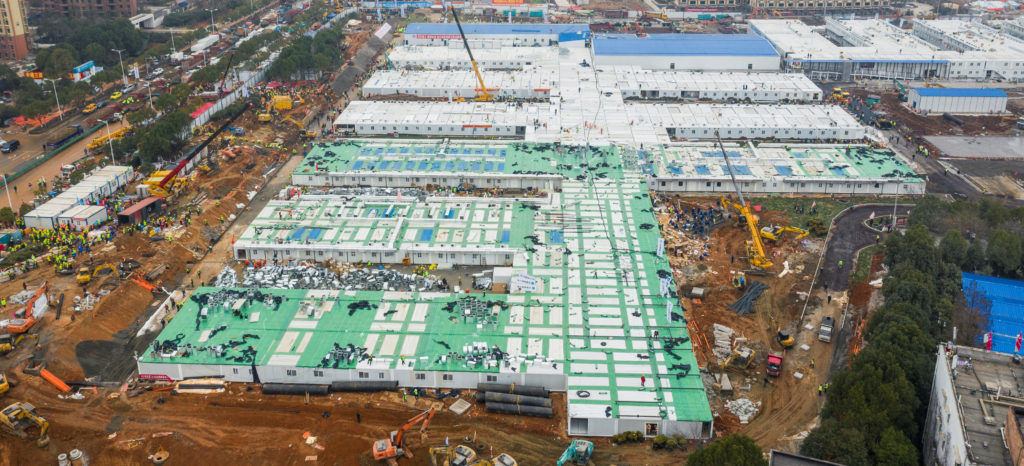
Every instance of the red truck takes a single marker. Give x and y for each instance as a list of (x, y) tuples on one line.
[(774, 363)]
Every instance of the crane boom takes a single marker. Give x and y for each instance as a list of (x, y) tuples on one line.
[(484, 95), (755, 247), (227, 68)]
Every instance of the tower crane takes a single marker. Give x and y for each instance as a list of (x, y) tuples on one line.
[(755, 247), (482, 94)]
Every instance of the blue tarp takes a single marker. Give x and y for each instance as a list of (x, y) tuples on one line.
[(703, 170), (357, 165), (784, 170), (426, 234), (556, 237), (506, 236), (1006, 316), (737, 169)]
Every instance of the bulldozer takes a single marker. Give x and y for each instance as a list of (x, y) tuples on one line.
[(741, 358), (18, 417)]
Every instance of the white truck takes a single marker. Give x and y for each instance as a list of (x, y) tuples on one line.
[(826, 328)]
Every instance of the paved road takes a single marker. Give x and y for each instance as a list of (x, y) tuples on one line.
[(849, 235)]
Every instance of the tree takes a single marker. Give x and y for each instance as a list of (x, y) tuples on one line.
[(24, 209), (137, 117), (832, 442), (7, 217), (731, 450), (95, 52), (954, 248), (1004, 250), (895, 449), (108, 75), (975, 258), (971, 315), (60, 61)]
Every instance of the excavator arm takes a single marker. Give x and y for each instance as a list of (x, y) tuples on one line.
[(483, 96), (755, 247), (423, 417)]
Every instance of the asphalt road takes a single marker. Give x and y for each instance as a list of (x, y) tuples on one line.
[(849, 235)]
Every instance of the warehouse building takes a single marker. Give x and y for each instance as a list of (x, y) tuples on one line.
[(957, 100), (780, 169), (639, 122), (965, 36), (1014, 28), (876, 49), (454, 57), (704, 52), (498, 34), (635, 82), (587, 313)]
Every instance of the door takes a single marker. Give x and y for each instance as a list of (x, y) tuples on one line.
[(578, 426)]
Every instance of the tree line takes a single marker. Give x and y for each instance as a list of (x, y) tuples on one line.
[(305, 54)]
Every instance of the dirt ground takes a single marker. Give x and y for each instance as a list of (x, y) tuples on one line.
[(789, 406)]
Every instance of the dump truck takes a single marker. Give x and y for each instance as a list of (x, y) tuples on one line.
[(62, 136), (774, 363), (825, 329)]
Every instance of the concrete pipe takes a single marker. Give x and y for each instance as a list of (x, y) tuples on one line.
[(368, 386), (517, 399), (513, 389), (522, 410), (293, 389)]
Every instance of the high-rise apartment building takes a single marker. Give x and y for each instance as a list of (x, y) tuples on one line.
[(104, 8), (14, 37)]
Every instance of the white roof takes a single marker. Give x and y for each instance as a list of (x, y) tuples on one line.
[(742, 116), (635, 78), (440, 113), (497, 57)]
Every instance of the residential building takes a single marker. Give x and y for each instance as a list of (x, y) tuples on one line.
[(14, 37), (101, 8)]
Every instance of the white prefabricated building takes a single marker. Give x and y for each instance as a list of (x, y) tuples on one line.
[(957, 100)]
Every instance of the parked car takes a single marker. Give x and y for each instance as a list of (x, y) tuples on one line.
[(116, 95), (89, 108), (157, 72), (10, 146), (128, 88)]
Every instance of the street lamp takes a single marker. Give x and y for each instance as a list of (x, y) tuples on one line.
[(9, 203), (111, 141), (60, 113), (212, 24), (124, 78), (149, 88)]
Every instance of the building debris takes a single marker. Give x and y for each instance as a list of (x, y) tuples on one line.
[(743, 409)]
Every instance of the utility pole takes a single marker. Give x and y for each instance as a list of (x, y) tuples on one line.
[(60, 113), (124, 79), (111, 141), (213, 25)]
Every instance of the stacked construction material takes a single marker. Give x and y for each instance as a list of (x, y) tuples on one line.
[(523, 400), (745, 305)]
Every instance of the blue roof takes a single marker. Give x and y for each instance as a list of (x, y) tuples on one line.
[(1006, 316), (684, 44), (497, 28), (958, 92)]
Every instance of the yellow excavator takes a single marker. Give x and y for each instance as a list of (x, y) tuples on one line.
[(459, 455), (774, 233), (18, 417), (482, 94), (84, 277), (5, 384), (303, 132), (755, 248)]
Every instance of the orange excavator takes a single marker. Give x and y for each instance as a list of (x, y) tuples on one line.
[(394, 446), (25, 319)]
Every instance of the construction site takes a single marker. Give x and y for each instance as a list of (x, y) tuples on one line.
[(522, 266)]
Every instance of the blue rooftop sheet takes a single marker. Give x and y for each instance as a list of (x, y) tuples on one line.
[(958, 92), (1006, 316), (784, 170), (686, 44), (737, 169), (497, 28)]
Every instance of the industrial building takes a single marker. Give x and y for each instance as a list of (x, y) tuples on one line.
[(957, 100), (635, 82), (975, 413), (701, 121), (532, 84), (102, 183), (1013, 28), (587, 313), (780, 169), (497, 34), (965, 36), (706, 52), (454, 56), (876, 49), (824, 5)]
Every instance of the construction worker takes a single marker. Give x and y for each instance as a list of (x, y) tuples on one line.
[(840, 263), (643, 380), (820, 388)]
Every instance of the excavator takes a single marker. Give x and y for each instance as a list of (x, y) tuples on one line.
[(5, 384), (84, 277), (482, 94), (9, 342), (25, 319), (394, 446), (774, 233), (755, 248), (578, 452), (303, 132), (460, 455), (18, 417)]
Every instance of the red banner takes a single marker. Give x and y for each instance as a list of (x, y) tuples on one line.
[(34, 74), (160, 377)]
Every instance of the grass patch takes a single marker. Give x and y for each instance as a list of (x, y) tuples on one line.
[(864, 262), (825, 209)]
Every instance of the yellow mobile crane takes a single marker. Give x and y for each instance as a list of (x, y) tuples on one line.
[(482, 94), (755, 248)]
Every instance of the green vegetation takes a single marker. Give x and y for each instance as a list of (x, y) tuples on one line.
[(95, 42), (192, 17), (632, 436), (214, 73), (664, 442), (824, 209), (864, 262), (996, 248), (306, 54), (731, 450)]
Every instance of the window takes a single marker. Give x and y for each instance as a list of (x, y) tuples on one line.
[(364, 375), (317, 373), (492, 378), (290, 372), (421, 376), (234, 370), (447, 377), (381, 375)]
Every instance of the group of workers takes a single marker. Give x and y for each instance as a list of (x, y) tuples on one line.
[(697, 220)]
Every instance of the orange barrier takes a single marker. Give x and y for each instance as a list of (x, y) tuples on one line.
[(47, 376)]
